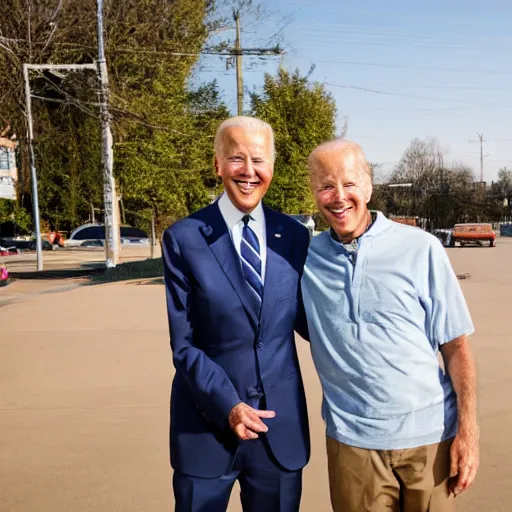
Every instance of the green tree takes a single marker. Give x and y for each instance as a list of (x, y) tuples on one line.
[(169, 172), (302, 115), (163, 129)]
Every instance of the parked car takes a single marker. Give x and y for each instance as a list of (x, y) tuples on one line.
[(18, 245), (94, 235), (306, 220), (473, 233), (444, 236)]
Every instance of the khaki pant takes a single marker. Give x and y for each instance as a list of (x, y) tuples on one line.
[(412, 480)]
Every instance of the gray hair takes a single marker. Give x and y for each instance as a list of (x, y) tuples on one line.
[(343, 146), (251, 123)]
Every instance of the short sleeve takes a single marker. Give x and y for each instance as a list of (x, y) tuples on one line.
[(448, 315)]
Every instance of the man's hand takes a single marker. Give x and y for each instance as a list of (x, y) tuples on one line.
[(464, 459), (245, 421)]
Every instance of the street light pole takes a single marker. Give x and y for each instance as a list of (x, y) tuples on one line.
[(111, 219), (33, 174), (30, 137)]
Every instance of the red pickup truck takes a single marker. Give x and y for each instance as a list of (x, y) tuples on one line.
[(473, 233)]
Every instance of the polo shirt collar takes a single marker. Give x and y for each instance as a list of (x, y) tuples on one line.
[(380, 224)]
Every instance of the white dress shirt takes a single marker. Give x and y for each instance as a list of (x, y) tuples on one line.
[(233, 219)]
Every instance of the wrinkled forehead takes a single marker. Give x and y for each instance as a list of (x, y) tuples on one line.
[(254, 140), (336, 165)]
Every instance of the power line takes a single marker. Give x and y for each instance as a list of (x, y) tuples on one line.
[(353, 29), (413, 96), (255, 52), (404, 66), (400, 43), (378, 36), (447, 87)]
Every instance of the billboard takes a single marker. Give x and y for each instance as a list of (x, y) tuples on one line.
[(8, 170)]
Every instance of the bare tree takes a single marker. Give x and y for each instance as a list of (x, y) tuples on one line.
[(421, 164)]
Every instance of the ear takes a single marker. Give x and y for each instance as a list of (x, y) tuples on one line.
[(216, 165), (368, 192)]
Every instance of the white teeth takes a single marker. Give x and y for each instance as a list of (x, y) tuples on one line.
[(338, 210), (246, 187)]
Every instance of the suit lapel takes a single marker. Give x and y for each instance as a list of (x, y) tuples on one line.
[(219, 240), (276, 267)]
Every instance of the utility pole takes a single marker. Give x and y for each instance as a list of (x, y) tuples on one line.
[(481, 141), (481, 137), (237, 51), (111, 217), (440, 163)]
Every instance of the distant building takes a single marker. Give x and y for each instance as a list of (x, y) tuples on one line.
[(8, 169)]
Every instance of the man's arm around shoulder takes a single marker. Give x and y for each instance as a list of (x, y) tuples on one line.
[(301, 324)]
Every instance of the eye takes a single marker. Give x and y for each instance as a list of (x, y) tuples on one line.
[(349, 185), (257, 160), (235, 158), (326, 187)]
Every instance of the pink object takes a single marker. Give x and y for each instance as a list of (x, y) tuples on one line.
[(4, 274)]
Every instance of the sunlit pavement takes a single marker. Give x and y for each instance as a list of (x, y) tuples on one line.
[(85, 372)]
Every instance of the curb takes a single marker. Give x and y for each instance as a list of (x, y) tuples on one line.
[(57, 273)]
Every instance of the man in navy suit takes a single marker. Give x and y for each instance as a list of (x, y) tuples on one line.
[(232, 274)]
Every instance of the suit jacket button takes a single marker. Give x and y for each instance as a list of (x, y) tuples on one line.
[(259, 344)]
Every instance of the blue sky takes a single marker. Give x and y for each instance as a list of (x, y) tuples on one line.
[(398, 70)]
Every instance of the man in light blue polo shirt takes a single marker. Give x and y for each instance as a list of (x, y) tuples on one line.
[(382, 300)]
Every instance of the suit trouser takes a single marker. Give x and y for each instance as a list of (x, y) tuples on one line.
[(264, 485), (411, 480)]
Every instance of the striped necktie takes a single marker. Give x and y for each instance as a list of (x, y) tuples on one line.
[(251, 259)]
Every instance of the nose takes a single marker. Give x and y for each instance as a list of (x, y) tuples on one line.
[(339, 193), (249, 169)]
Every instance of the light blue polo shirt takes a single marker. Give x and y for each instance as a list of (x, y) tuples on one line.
[(376, 323)]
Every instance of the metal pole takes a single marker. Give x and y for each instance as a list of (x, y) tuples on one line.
[(481, 137), (111, 219), (123, 213), (238, 53), (153, 234), (33, 174)]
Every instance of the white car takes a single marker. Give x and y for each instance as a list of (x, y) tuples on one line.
[(94, 235)]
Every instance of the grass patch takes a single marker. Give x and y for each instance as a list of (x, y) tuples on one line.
[(144, 269)]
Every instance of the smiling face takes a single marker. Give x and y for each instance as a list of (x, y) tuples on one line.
[(244, 161), (342, 188)]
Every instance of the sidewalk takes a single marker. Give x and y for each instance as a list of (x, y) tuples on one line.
[(85, 375)]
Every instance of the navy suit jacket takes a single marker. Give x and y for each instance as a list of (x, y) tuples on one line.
[(223, 351)]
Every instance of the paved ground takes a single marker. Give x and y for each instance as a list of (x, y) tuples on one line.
[(73, 258), (84, 406)]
